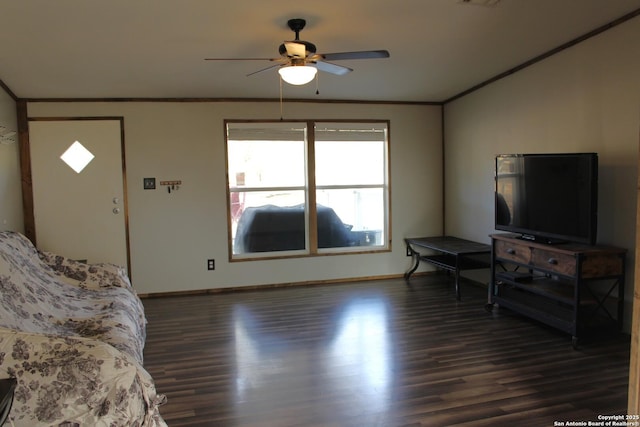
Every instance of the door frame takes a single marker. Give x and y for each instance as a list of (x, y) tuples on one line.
[(633, 406), (27, 180)]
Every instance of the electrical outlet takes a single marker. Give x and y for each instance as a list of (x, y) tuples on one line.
[(211, 264)]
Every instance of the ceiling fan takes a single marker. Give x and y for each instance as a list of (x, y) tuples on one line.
[(298, 62)]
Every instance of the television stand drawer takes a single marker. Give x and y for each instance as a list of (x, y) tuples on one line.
[(515, 252), (554, 261)]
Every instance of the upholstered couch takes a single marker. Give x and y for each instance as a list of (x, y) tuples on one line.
[(72, 334)]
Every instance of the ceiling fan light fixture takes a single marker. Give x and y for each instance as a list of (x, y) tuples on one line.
[(297, 74)]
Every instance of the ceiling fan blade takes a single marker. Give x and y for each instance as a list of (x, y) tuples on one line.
[(241, 59), (332, 68), (295, 50), (363, 54), (263, 69)]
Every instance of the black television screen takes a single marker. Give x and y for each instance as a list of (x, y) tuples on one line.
[(548, 197)]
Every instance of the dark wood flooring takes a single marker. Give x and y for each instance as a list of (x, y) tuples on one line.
[(377, 353)]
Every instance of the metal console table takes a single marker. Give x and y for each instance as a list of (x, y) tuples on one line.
[(452, 254)]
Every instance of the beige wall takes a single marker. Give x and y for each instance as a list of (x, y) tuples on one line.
[(585, 98), (172, 235), (10, 187), (582, 99)]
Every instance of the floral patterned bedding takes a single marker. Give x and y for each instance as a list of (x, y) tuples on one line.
[(73, 335)]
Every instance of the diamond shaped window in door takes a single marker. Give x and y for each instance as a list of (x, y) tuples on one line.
[(77, 157)]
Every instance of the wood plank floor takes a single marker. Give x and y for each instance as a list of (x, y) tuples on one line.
[(377, 353)]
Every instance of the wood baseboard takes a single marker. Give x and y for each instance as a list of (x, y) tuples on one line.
[(276, 285)]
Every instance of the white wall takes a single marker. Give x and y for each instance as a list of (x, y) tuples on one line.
[(586, 98), (172, 235), (10, 186)]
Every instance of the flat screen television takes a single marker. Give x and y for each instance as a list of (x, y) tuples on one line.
[(548, 197)]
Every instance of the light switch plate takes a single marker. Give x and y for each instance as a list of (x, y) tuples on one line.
[(149, 183)]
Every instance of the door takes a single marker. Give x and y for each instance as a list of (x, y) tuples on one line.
[(81, 214)]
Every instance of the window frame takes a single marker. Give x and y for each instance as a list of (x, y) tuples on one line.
[(310, 189)]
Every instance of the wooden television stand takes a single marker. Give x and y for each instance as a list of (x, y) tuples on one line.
[(575, 288)]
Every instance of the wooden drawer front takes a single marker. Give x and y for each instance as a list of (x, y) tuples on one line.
[(554, 261), (602, 265), (516, 253)]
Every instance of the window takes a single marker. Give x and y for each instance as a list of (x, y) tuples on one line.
[(307, 188)]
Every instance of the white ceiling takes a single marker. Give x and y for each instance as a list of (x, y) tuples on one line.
[(156, 48)]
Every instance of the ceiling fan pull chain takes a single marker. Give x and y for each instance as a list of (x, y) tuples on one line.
[(281, 114), (317, 85)]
